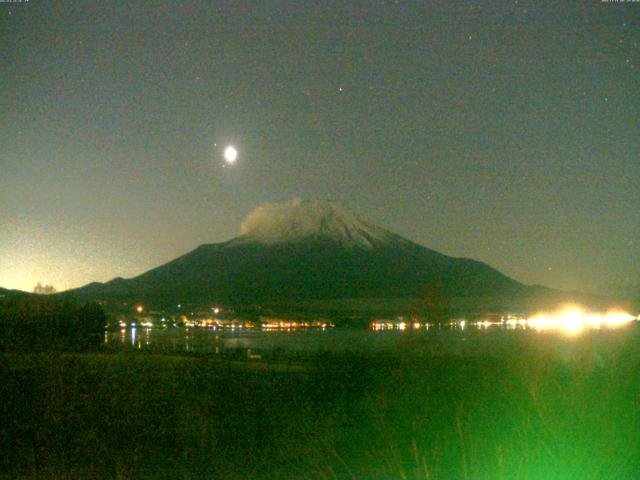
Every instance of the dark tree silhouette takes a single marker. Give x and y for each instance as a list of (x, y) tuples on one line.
[(48, 324)]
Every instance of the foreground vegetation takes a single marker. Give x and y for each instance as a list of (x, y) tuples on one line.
[(40, 323), (533, 415)]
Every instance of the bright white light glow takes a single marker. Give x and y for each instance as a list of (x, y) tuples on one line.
[(230, 154), (573, 319)]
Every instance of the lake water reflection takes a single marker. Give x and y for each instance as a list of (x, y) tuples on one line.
[(436, 340)]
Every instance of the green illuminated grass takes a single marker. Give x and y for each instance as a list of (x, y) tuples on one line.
[(528, 414)]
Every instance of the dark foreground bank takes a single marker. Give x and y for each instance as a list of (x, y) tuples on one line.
[(525, 416)]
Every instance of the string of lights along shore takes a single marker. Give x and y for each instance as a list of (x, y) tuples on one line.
[(266, 239)]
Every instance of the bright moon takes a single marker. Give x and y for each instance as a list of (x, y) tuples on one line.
[(230, 154)]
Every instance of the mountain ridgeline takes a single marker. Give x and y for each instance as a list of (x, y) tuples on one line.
[(316, 252), (6, 293)]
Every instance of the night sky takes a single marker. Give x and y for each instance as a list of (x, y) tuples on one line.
[(507, 132)]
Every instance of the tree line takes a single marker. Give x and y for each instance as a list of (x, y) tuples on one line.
[(36, 324)]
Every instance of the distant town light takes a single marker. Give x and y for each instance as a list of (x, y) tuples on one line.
[(573, 319), (139, 309)]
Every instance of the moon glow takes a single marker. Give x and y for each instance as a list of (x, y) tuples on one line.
[(230, 155)]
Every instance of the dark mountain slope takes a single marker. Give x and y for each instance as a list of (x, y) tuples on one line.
[(317, 251)]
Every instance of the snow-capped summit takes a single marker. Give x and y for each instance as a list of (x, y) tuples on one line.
[(307, 251), (304, 219)]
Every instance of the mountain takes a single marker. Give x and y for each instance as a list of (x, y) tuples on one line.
[(5, 293), (315, 252)]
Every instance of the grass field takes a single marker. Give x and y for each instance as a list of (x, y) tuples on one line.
[(530, 415)]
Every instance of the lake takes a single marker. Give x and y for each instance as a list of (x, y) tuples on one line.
[(453, 339)]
